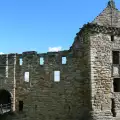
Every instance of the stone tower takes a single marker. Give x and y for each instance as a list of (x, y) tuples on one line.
[(99, 43)]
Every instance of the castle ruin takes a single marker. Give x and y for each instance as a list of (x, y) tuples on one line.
[(85, 86)]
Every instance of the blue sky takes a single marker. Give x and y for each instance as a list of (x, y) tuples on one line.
[(27, 25)]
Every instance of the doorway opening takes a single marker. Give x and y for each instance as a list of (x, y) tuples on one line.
[(5, 101), (20, 105)]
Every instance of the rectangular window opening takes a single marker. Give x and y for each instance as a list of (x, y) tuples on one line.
[(113, 107), (115, 57), (20, 60), (112, 37), (64, 60), (116, 84), (41, 60), (56, 76), (26, 76), (20, 105)]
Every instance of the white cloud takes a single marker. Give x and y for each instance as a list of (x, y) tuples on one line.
[(54, 49), (1, 53)]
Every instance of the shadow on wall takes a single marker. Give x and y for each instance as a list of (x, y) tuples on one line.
[(7, 116)]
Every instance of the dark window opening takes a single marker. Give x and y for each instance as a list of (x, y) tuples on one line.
[(113, 108), (116, 84), (35, 107), (115, 57), (20, 105), (112, 37)]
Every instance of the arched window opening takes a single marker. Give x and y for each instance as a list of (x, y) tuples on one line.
[(5, 101)]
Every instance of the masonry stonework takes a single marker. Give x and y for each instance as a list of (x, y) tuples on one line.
[(86, 90)]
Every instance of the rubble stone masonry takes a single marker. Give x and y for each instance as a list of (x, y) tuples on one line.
[(89, 86)]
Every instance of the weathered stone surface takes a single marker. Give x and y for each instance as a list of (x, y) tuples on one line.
[(85, 90), (110, 16)]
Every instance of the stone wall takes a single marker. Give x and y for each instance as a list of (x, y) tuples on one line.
[(7, 75), (81, 51), (101, 74), (116, 95), (43, 98), (110, 16), (85, 90)]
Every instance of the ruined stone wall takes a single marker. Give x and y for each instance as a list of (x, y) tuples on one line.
[(81, 50), (2, 69), (7, 75), (101, 74), (43, 98), (116, 95)]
